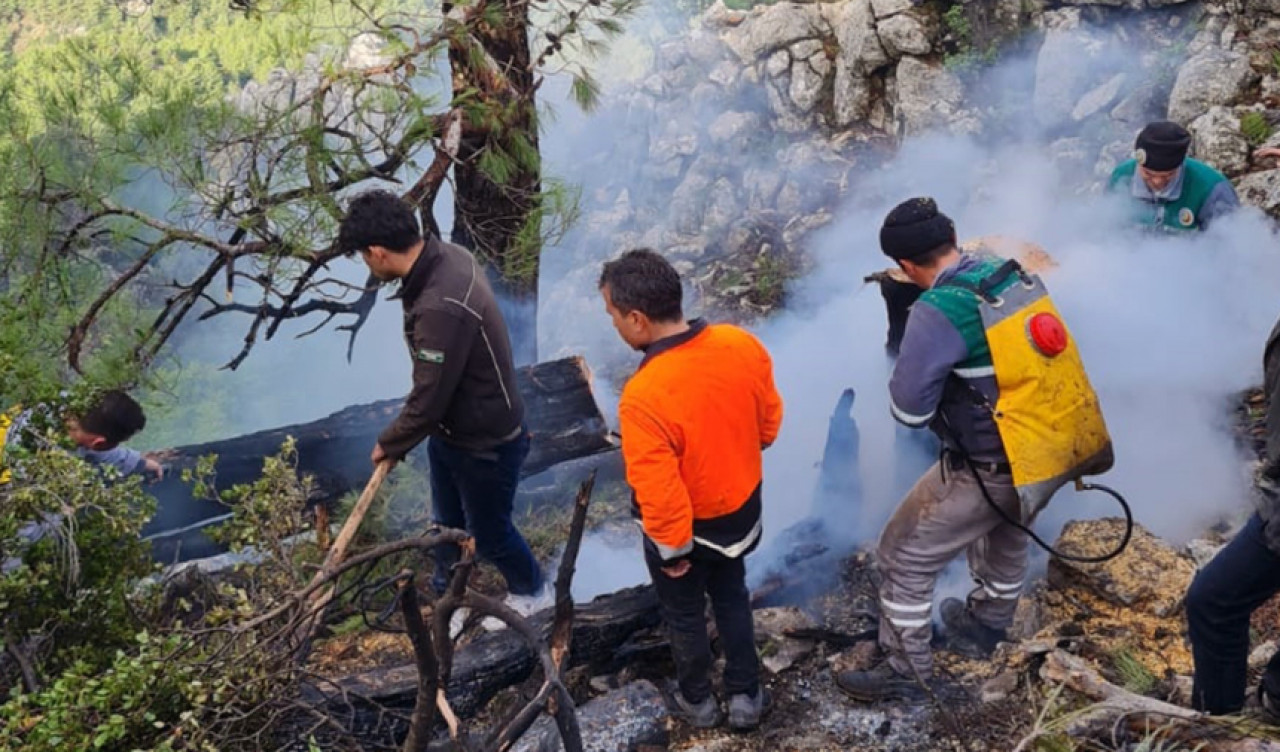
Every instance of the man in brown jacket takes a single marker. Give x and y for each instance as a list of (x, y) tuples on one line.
[(464, 390)]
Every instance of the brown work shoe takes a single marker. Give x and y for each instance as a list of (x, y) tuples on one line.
[(880, 683), (964, 634)]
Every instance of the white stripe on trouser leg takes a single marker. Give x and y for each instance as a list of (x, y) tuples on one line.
[(1004, 591), (906, 615), (915, 608), (908, 623)]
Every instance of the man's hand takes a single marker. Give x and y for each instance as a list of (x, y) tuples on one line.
[(380, 455), (152, 467), (1267, 152), (678, 570)]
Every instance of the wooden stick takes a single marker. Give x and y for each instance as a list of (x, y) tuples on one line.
[(423, 718), (322, 527), (320, 599), (1220, 733), (349, 528)]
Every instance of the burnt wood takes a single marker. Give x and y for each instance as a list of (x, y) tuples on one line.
[(496, 660), (560, 411)]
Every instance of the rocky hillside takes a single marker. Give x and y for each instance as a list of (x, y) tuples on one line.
[(752, 129)]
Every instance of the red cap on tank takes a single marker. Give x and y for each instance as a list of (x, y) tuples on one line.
[(1047, 334)]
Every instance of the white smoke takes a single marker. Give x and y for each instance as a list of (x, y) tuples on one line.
[(1170, 329)]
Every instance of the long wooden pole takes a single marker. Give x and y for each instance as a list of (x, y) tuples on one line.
[(319, 600)]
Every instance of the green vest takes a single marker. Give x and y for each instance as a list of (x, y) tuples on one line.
[(1198, 181), (960, 305)]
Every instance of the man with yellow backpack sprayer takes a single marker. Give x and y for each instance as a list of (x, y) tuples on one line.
[(988, 364)]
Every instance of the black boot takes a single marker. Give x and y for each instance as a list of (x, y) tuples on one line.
[(880, 683), (965, 635)]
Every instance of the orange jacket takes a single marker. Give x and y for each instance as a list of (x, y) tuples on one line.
[(694, 420)]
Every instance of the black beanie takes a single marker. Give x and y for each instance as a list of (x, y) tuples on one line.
[(1162, 146), (915, 227)]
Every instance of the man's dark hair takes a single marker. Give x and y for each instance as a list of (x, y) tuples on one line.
[(931, 257), (378, 218), (642, 280), (115, 416)]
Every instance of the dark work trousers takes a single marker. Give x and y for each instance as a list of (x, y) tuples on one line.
[(1243, 576), (683, 601), (474, 491)]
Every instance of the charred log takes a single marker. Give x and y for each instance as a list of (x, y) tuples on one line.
[(561, 414), (500, 659)]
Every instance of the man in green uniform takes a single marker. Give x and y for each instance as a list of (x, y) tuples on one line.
[(1168, 191)]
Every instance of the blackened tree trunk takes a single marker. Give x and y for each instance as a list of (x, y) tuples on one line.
[(497, 177)]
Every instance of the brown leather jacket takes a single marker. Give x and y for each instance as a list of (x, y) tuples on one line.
[(464, 385)]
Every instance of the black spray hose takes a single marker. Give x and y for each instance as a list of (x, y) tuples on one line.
[(1080, 486)]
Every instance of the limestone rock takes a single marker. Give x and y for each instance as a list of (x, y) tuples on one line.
[(724, 73), (735, 126), (1271, 7), (629, 717), (776, 622), (1217, 140), (780, 652), (854, 25), (1261, 189), (1202, 550), (783, 654), (1140, 106), (1112, 3), (929, 96), (1149, 576), (851, 95), (774, 27), (762, 186), (1099, 98), (999, 687), (809, 69), (1110, 157), (1261, 655), (722, 206), (1212, 77), (1066, 66), (904, 34), (689, 202), (886, 8), (785, 119)]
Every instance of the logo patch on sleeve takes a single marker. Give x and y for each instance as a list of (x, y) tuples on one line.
[(429, 356)]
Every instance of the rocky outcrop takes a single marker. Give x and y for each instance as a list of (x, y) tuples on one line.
[(1066, 65), (1219, 141), (1215, 76), (716, 160), (1261, 189), (927, 96)]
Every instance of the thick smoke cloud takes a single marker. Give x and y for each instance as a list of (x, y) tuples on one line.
[(1170, 330)]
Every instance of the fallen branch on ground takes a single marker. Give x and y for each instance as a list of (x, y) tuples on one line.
[(1118, 709)]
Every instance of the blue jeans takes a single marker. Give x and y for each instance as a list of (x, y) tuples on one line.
[(1243, 576), (474, 491)]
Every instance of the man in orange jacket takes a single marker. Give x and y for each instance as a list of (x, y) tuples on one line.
[(694, 419)]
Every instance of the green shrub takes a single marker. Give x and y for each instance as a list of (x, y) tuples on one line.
[(1255, 128)]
